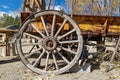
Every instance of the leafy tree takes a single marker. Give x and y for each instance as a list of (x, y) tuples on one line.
[(9, 20), (16, 21), (1, 24)]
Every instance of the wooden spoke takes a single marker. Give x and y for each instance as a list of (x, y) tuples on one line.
[(55, 61), (31, 44), (61, 27), (43, 22), (63, 57), (68, 50), (33, 36), (47, 61), (53, 25), (30, 54), (66, 34), (31, 49), (71, 41), (39, 58), (38, 30)]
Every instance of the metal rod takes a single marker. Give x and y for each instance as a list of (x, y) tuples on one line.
[(118, 43), (113, 56)]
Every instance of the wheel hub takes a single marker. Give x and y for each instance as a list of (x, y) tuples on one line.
[(50, 43)]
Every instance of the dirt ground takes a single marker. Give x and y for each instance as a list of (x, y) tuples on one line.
[(11, 68)]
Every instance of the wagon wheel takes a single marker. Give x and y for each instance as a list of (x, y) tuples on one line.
[(53, 42)]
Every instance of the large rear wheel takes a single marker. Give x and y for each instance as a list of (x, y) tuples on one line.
[(53, 46)]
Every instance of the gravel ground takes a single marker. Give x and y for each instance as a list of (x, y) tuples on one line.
[(11, 68)]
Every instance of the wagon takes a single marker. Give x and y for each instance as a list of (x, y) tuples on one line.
[(51, 42)]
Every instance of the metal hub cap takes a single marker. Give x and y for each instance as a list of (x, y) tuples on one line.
[(50, 43)]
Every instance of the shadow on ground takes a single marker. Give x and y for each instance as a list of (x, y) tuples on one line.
[(15, 59)]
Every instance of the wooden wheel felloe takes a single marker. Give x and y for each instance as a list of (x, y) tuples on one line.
[(55, 42)]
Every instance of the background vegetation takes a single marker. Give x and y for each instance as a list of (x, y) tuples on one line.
[(7, 20), (96, 7)]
